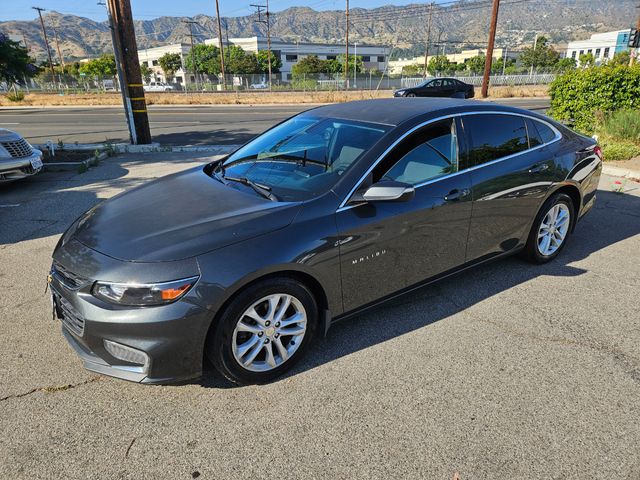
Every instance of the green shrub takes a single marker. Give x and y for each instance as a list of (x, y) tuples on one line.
[(578, 94), (619, 150), (621, 125), (16, 96)]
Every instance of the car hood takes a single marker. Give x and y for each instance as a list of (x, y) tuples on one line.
[(177, 217)]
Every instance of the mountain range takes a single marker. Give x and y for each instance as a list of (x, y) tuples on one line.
[(404, 28)]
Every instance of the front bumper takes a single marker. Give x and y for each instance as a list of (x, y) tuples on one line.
[(171, 336), (16, 168)]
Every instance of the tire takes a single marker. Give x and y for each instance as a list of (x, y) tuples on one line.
[(231, 342), (411, 95), (535, 251)]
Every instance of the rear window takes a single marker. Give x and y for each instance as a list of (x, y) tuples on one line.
[(493, 136), (546, 133)]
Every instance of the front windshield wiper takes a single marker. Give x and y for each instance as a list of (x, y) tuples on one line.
[(262, 190)]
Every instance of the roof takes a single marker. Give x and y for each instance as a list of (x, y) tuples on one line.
[(394, 111)]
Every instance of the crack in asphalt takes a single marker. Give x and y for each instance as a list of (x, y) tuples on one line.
[(629, 363), (52, 388)]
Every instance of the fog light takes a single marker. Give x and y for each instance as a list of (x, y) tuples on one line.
[(127, 354)]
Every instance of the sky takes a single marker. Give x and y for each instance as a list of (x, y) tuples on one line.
[(149, 9)]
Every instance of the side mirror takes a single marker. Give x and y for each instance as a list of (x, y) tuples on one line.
[(389, 191)]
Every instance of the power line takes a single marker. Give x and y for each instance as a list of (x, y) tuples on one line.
[(267, 22)]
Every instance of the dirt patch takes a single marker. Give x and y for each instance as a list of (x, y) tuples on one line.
[(63, 156), (244, 98), (632, 164)]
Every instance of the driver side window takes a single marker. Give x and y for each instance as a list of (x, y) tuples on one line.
[(425, 155)]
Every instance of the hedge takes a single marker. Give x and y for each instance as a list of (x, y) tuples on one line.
[(578, 94)]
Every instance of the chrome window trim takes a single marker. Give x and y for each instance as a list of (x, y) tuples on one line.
[(343, 205)]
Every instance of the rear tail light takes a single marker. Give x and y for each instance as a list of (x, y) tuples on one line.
[(598, 151)]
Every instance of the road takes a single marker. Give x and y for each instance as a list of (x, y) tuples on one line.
[(509, 371), (186, 125)]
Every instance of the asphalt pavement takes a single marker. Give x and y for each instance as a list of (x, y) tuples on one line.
[(170, 125), (507, 371)]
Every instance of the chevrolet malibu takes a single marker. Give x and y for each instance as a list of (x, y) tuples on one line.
[(245, 260)]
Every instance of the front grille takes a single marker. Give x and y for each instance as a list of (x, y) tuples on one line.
[(68, 279), (18, 148), (69, 316)]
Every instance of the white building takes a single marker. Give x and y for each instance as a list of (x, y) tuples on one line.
[(150, 57), (603, 46), (373, 56)]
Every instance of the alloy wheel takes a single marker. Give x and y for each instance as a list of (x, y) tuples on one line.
[(553, 229), (269, 332)]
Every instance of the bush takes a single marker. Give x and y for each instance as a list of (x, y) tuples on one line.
[(621, 125), (578, 94), (618, 150), (16, 96)]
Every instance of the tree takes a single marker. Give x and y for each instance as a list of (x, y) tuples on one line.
[(238, 62), (620, 58), (263, 62), (104, 66), (565, 64), (206, 57), (170, 64), (309, 65), (15, 64), (540, 56), (439, 64), (415, 69), (475, 64), (587, 60), (146, 72)]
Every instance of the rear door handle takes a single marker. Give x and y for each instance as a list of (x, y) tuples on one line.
[(456, 194), (539, 167)]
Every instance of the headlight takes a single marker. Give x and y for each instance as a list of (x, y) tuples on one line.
[(143, 294), (400, 92)]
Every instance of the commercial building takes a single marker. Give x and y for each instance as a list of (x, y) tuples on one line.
[(396, 66), (603, 46), (150, 56), (373, 56)]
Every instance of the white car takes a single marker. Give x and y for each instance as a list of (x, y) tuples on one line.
[(259, 86), (157, 87), (18, 159)]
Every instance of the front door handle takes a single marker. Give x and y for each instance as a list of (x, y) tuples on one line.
[(456, 194), (539, 167)]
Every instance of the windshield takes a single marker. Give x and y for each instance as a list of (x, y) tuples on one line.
[(303, 157)]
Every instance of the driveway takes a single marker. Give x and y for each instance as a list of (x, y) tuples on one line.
[(508, 371)]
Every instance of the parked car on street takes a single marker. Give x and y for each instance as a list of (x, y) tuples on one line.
[(157, 87), (18, 159), (246, 259), (438, 87)]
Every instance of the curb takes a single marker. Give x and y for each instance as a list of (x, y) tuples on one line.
[(620, 172), (152, 147), (66, 166)]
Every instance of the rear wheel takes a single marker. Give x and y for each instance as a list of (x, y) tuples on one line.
[(550, 230), (264, 331)]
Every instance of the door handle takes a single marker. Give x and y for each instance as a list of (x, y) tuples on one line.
[(539, 167), (456, 194)]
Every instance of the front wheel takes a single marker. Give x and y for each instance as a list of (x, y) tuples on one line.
[(550, 230), (263, 331), (411, 95)]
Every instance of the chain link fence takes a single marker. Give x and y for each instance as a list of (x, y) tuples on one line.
[(70, 84)]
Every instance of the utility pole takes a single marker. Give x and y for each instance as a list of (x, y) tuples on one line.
[(426, 50), (535, 44), (504, 59), (126, 48), (55, 36), (632, 57), (46, 42), (224, 80), (126, 103), (268, 23), (193, 58), (355, 64), (346, 50), (489, 54)]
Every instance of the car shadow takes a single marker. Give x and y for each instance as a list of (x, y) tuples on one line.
[(615, 217)]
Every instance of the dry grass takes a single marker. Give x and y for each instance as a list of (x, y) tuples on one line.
[(242, 98)]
